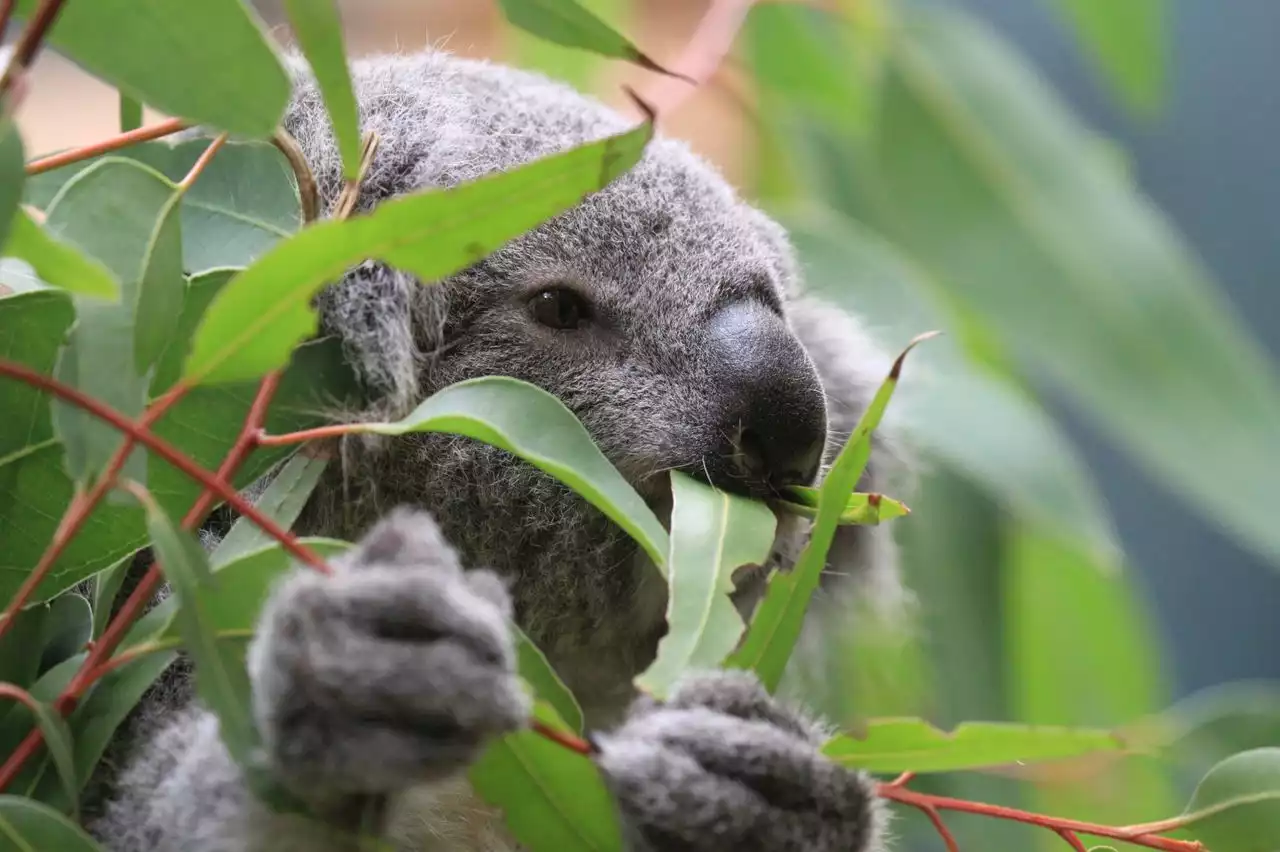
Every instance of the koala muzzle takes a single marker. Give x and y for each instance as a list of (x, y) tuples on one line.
[(772, 412)]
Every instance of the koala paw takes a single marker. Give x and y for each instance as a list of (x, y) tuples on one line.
[(391, 672), (721, 765)]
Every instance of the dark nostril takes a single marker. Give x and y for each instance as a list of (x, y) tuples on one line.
[(782, 457)]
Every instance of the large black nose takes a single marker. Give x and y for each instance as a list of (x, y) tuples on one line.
[(773, 421)]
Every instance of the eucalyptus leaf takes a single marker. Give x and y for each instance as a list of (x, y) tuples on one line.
[(913, 745), (860, 508), (209, 62), (1129, 42), (537, 672), (57, 740), (282, 502), (258, 318), (27, 825), (532, 424), (550, 797), (569, 23), (67, 629), (12, 174), (713, 533), (56, 263), (18, 665), (1236, 806), (318, 28), (778, 619)]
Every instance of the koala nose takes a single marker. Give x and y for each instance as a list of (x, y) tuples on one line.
[(773, 422)]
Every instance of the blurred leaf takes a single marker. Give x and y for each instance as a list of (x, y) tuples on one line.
[(713, 533), (568, 23), (531, 423), (32, 328), (1236, 807), (208, 62), (1081, 651), (56, 263), (976, 418), (1128, 42), (981, 174), (282, 502), (26, 825), (105, 587), (318, 28), (913, 745), (578, 68), (57, 741), (221, 679), (120, 213), (261, 315), (18, 665), (778, 618), (244, 202), (858, 509), (67, 629), (12, 174), (538, 673), (1214, 723), (130, 113), (551, 798)]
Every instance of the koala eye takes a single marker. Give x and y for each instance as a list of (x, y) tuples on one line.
[(560, 307)]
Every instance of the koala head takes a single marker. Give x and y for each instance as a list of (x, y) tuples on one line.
[(656, 310)]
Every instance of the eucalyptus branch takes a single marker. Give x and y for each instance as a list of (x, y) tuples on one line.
[(106, 146), (31, 40)]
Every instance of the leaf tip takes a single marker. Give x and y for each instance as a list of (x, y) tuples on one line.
[(896, 372)]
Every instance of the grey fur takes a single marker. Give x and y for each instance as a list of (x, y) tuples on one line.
[(373, 684)]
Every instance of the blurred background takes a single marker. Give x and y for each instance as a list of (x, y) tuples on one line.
[(1084, 195)]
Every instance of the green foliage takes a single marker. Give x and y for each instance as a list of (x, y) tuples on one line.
[(931, 181)]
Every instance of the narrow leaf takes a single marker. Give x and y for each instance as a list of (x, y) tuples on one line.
[(913, 745), (57, 739), (105, 586), (221, 679), (550, 797), (28, 826), (778, 619), (67, 629), (1236, 806), (531, 423), (177, 57), (259, 317), (860, 508), (318, 28), (567, 23), (56, 263), (547, 686), (282, 502), (713, 533), (12, 175), (1128, 42)]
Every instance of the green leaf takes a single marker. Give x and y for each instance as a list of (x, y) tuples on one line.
[(578, 68), (12, 175), (958, 405), (18, 665), (531, 423), (1128, 42), (860, 508), (262, 314), (56, 263), (27, 826), (537, 672), (567, 23), (57, 739), (551, 798), (208, 62), (282, 502), (1213, 723), (106, 585), (120, 213), (913, 745), (68, 627), (1078, 276), (32, 328), (245, 200), (1236, 806), (318, 28), (778, 619), (130, 113), (713, 533), (221, 679)]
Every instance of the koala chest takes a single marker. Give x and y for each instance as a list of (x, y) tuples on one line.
[(446, 817)]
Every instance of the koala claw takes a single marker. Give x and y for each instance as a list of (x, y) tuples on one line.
[(391, 672), (721, 765)]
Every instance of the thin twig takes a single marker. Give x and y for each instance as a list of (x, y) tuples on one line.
[(6, 15), (1072, 840), (106, 146), (166, 451), (941, 827), (308, 192), (28, 46), (561, 738), (202, 163)]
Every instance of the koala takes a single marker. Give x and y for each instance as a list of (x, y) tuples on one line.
[(669, 315)]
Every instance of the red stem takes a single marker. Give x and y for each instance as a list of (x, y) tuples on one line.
[(122, 140), (562, 738), (941, 827), (24, 52), (1072, 840)]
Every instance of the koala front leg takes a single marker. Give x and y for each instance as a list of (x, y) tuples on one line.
[(387, 675), (721, 765)]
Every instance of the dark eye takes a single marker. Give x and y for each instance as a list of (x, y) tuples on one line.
[(560, 307)]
